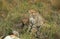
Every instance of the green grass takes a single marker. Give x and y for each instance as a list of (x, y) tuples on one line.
[(14, 10)]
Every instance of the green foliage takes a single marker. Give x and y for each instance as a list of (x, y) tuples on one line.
[(25, 36)]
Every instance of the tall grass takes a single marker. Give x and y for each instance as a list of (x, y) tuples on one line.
[(11, 11)]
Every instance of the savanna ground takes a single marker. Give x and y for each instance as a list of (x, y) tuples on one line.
[(12, 11)]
